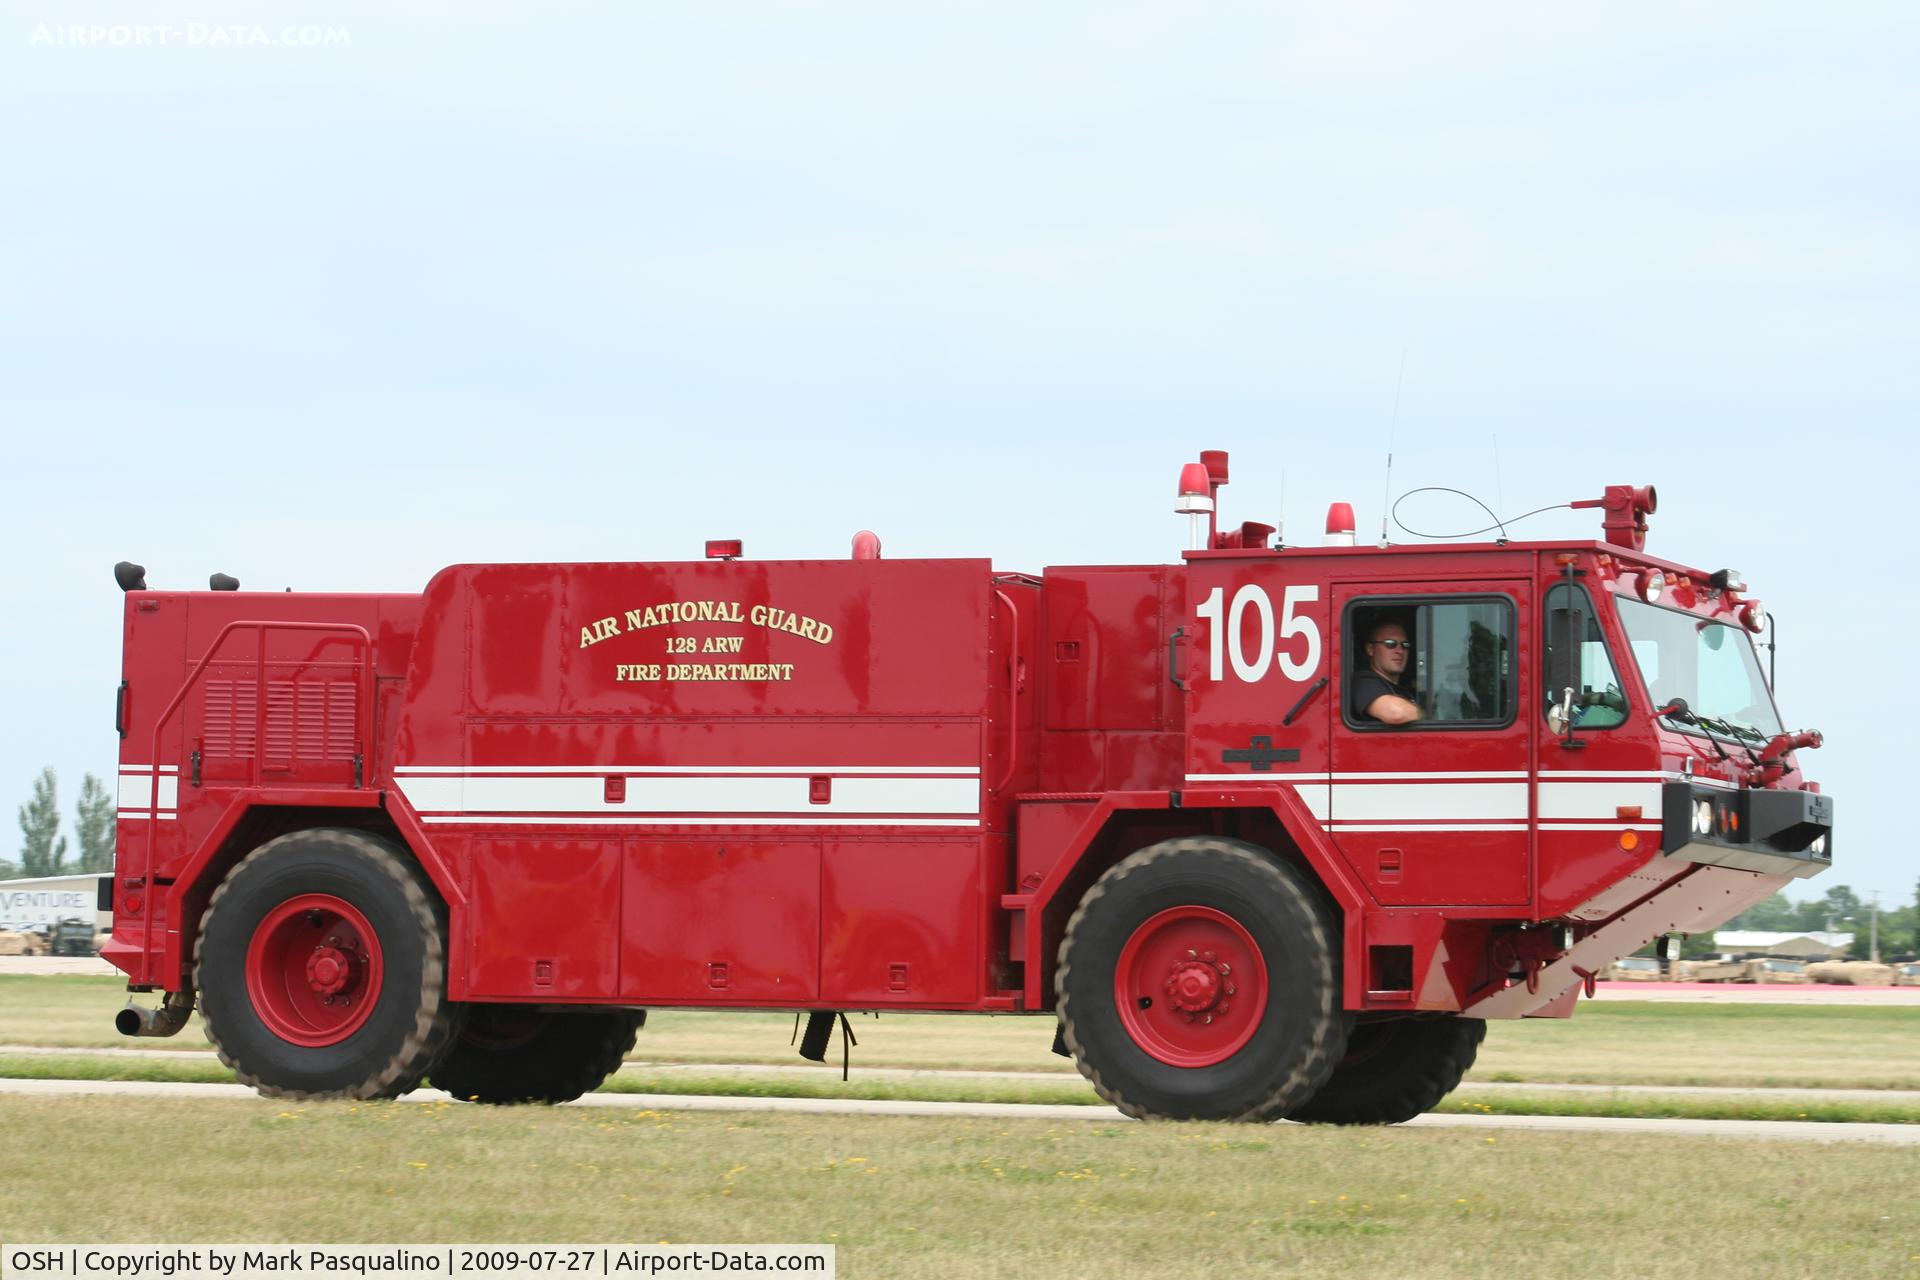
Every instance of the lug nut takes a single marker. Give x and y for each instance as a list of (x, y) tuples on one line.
[(1225, 970), (1229, 988), (1208, 1018), (1210, 957)]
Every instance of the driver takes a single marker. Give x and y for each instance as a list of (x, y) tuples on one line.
[(1381, 692)]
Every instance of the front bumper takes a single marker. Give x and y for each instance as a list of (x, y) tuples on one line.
[(1777, 833)]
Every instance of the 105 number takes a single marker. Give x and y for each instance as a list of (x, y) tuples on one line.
[(1227, 637)]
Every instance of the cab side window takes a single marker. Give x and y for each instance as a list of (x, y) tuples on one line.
[(1598, 703), (1459, 668)]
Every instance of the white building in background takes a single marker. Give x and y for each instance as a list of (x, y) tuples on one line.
[(47, 900), (1817, 945)]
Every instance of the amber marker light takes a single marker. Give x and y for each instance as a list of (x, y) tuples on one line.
[(1629, 840)]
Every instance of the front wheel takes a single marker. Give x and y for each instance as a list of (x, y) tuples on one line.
[(321, 966), (1394, 1070), (1198, 980)]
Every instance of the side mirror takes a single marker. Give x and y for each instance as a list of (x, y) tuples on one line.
[(1566, 630)]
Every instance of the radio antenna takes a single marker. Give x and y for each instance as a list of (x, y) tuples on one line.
[(1499, 486), (1280, 521), (1393, 430)]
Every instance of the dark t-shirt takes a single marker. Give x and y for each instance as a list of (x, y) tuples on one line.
[(1370, 684)]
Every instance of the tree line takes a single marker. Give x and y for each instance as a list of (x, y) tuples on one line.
[(1840, 910), (43, 849)]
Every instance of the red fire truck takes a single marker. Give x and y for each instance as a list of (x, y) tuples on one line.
[(469, 836)]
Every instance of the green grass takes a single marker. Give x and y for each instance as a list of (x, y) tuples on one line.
[(1467, 1101), (1071, 1091), (1809, 1046), (926, 1197), (1772, 1046), (1625, 1043)]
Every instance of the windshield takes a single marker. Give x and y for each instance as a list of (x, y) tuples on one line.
[(1710, 664)]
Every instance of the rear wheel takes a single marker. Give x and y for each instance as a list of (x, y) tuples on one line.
[(321, 966), (1198, 981), (511, 1053), (1394, 1070)]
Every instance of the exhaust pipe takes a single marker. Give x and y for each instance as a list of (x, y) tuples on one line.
[(164, 1021)]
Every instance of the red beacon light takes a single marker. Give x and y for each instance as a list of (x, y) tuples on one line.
[(1339, 525), (723, 549), (1196, 497)]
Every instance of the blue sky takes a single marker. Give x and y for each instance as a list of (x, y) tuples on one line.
[(602, 281)]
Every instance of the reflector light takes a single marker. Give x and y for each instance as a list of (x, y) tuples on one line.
[(1629, 840), (723, 548)]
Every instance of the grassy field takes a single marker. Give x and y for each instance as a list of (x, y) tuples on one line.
[(1064, 1090), (914, 1197), (1812, 1046)]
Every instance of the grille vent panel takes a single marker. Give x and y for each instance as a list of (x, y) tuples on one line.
[(307, 721)]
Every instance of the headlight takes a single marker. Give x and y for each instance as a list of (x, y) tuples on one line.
[(1818, 846), (1652, 585), (1703, 817)]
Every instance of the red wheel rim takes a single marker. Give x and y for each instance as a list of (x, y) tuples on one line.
[(313, 970), (1191, 986)]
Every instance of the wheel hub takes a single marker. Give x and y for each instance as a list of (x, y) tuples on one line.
[(1194, 986), (314, 969), (1190, 986), (331, 970)]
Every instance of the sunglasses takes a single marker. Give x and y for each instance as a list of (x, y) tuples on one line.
[(1393, 644)]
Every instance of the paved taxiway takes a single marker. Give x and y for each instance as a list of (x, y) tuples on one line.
[(1772, 1130)]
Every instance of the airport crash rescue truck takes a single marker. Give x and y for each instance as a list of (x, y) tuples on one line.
[(466, 837)]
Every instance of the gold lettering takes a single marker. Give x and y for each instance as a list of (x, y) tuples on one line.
[(771, 617)]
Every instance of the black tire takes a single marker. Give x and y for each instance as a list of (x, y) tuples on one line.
[(1288, 1048), (409, 1021), (1395, 1069), (511, 1053)]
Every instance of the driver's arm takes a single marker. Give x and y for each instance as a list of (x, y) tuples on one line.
[(1390, 708)]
